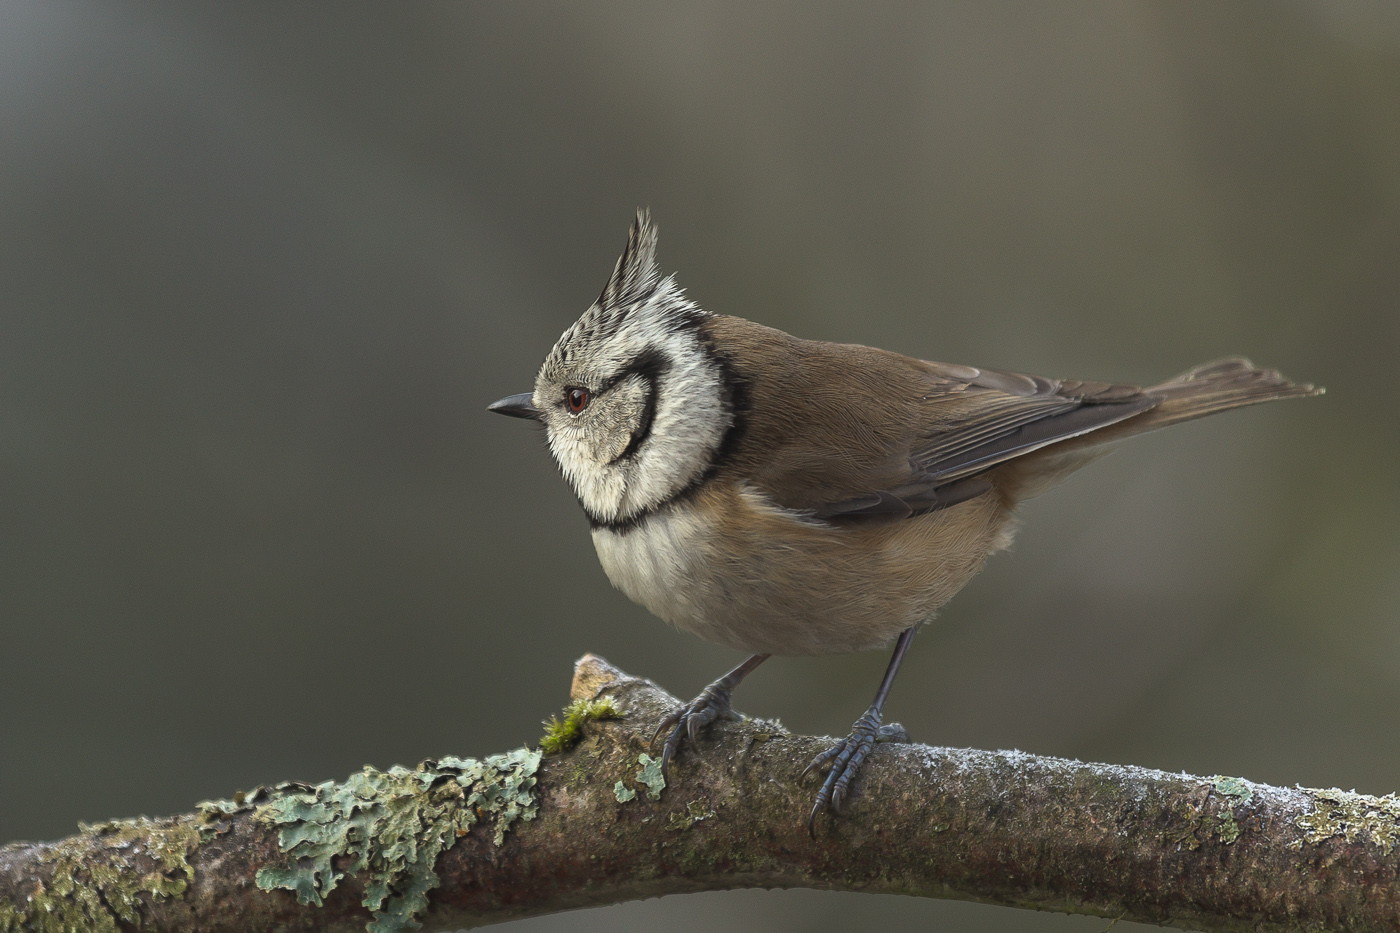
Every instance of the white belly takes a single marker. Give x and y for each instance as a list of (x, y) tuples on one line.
[(733, 569)]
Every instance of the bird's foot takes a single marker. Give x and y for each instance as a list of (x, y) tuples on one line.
[(688, 720), (846, 758)]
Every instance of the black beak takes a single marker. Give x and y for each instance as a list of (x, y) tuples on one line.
[(517, 406)]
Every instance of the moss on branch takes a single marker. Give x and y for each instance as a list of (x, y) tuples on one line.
[(457, 842)]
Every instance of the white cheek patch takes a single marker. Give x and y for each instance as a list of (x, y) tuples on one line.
[(600, 489), (689, 423), (617, 417), (689, 420)]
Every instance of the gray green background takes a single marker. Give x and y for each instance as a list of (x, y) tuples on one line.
[(261, 268)]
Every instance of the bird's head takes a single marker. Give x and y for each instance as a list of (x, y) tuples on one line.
[(633, 398)]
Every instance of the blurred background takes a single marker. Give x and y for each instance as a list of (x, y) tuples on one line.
[(261, 269)]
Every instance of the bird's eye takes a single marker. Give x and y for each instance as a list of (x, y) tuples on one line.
[(577, 399)]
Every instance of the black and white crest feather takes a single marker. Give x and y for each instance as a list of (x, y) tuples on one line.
[(635, 288), (636, 275)]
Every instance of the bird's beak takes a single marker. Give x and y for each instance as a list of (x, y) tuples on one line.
[(517, 406)]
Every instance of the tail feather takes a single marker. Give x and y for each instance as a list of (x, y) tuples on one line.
[(1216, 386), (1204, 390)]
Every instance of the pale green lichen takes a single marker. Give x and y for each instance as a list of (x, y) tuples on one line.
[(650, 774), (1199, 824), (93, 887), (694, 812), (391, 825), (1352, 816), (560, 735), (211, 812), (1235, 793), (1233, 787)]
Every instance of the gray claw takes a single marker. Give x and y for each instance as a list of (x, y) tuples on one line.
[(688, 720), (846, 757)]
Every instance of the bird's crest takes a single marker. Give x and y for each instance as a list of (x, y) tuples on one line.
[(636, 283), (636, 275)]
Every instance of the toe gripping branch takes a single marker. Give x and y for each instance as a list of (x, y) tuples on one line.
[(846, 757), (712, 703), (688, 720)]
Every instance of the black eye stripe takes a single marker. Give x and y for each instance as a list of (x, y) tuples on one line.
[(649, 364)]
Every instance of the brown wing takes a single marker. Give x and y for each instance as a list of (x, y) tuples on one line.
[(1004, 415), (980, 418), (851, 432)]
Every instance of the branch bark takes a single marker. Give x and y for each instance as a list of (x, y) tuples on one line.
[(1007, 828)]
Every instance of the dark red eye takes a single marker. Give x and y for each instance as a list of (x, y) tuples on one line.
[(578, 399)]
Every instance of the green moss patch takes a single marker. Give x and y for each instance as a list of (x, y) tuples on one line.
[(560, 735), (93, 887), (391, 825)]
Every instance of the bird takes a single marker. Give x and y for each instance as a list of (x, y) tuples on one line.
[(782, 496)]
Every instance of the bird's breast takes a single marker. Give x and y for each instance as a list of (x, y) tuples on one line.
[(730, 566)]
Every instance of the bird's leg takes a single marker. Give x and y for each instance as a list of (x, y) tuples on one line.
[(711, 704), (847, 756)]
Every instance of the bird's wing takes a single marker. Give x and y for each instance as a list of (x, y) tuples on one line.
[(915, 498), (999, 416), (842, 431), (973, 419)]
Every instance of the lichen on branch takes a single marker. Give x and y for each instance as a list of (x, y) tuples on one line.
[(390, 825), (459, 842), (91, 884)]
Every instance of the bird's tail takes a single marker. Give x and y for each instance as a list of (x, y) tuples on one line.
[(1204, 390), (1212, 387)]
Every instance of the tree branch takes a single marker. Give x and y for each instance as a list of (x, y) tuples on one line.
[(459, 842)]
